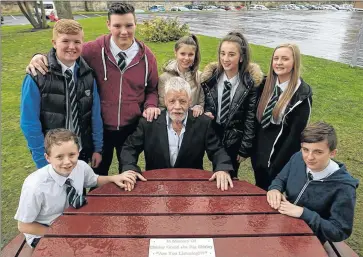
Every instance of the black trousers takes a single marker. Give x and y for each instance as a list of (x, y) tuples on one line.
[(113, 139), (263, 177)]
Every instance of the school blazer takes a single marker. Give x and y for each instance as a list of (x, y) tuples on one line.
[(152, 138)]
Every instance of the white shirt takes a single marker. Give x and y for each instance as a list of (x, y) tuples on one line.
[(234, 81), (174, 139), (283, 86), (330, 169), (43, 195), (130, 52)]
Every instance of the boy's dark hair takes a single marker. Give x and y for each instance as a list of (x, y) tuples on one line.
[(319, 131), (121, 8), (58, 136)]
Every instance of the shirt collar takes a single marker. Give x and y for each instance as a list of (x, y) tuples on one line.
[(115, 49), (65, 67), (283, 86), (60, 180), (234, 81), (330, 169), (168, 120)]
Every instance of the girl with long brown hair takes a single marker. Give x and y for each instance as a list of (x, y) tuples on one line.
[(185, 65), (230, 88), (283, 112)]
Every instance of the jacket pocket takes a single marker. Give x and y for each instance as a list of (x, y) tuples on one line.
[(130, 113), (109, 111)]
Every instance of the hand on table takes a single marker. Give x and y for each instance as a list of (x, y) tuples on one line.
[(290, 209), (129, 185), (151, 113), (274, 198), (223, 179)]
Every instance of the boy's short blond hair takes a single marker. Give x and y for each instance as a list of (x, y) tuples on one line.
[(58, 136), (67, 26)]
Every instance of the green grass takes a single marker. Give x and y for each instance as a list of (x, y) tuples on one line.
[(337, 99)]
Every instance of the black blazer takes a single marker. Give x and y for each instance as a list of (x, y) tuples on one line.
[(152, 138)]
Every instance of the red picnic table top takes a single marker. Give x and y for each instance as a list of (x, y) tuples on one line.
[(178, 203)]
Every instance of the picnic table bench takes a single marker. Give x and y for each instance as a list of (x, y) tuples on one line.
[(178, 203)]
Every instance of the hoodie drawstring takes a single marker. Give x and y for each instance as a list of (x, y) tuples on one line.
[(146, 70), (105, 67), (104, 64)]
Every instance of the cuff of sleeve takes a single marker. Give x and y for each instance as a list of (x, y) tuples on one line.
[(243, 154), (307, 215), (131, 167), (271, 187)]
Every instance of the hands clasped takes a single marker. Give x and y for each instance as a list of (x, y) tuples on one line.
[(127, 179), (279, 202)]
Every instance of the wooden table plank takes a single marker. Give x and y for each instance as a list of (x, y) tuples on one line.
[(178, 226), (175, 188), (208, 205), (177, 174), (297, 246)]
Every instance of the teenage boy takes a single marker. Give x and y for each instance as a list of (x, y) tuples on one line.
[(65, 97), (318, 190), (127, 76), (53, 188)]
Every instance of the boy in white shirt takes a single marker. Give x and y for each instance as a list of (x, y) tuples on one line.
[(53, 188)]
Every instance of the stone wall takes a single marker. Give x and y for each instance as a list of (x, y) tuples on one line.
[(7, 6)]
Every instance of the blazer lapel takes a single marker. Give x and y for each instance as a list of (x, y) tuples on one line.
[(163, 137), (187, 139)]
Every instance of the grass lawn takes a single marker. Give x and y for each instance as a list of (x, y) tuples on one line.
[(337, 98)]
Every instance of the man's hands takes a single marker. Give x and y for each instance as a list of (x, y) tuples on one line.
[(38, 62), (223, 179), (96, 160), (279, 202), (197, 110), (209, 114), (132, 176), (151, 113)]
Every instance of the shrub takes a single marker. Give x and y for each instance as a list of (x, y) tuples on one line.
[(163, 29)]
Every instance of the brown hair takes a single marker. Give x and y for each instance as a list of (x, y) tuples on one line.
[(191, 40), (58, 136), (120, 9), (243, 47), (320, 131), (66, 26), (271, 81)]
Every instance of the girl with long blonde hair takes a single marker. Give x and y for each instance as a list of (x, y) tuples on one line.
[(282, 114)]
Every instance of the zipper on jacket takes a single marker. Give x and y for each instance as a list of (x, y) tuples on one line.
[(303, 189), (282, 128), (120, 94), (214, 104)]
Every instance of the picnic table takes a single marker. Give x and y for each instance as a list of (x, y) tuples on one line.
[(178, 203)]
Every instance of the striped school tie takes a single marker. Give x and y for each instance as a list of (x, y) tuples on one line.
[(267, 114), (73, 100), (226, 100), (75, 200), (122, 61)]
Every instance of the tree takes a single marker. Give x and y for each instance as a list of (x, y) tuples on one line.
[(64, 9), (31, 12)]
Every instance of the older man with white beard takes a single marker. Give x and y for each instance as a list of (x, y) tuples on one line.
[(176, 139)]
